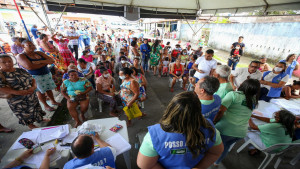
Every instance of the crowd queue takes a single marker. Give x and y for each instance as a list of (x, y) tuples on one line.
[(198, 126)]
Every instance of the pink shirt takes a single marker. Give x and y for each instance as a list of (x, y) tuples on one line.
[(89, 58), (98, 73), (105, 83)]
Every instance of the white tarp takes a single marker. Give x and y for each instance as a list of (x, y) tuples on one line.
[(192, 6)]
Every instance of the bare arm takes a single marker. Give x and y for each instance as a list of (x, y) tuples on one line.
[(252, 125), (100, 90), (46, 47), (211, 72), (210, 156), (145, 162), (53, 37), (134, 87), (265, 119), (46, 161), (23, 61), (87, 90), (48, 60), (274, 85), (220, 114), (90, 71), (100, 141), (231, 79), (296, 67), (195, 67)]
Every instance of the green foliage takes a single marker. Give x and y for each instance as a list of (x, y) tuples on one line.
[(222, 20)]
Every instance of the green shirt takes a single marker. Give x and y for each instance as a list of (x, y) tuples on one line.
[(224, 89), (207, 102), (274, 133), (148, 150), (235, 120)]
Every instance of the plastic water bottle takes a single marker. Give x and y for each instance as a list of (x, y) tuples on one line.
[(136, 144)]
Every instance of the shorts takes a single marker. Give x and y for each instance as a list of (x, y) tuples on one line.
[(44, 82)]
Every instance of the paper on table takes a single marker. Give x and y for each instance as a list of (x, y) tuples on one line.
[(69, 138), (48, 134), (119, 143), (31, 135), (37, 158)]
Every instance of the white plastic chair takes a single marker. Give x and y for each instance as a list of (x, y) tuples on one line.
[(270, 152), (100, 101)]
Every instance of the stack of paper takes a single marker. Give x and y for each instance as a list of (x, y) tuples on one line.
[(52, 133), (119, 143)]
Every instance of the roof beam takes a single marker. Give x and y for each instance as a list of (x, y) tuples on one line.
[(266, 7)]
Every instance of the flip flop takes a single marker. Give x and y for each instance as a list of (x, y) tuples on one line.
[(6, 130)]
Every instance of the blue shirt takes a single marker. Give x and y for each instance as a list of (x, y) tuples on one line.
[(144, 49), (104, 157), (209, 111), (34, 31)]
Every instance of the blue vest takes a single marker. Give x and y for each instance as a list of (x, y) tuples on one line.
[(275, 92), (209, 111), (291, 68), (172, 150), (103, 157)]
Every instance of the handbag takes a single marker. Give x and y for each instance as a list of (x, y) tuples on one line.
[(133, 111), (2, 94), (79, 97)]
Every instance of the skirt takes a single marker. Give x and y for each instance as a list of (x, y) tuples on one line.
[(44, 82)]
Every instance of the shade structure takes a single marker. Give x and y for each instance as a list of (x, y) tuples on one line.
[(171, 9)]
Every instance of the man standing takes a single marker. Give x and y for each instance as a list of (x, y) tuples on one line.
[(83, 149), (242, 45), (145, 49), (73, 36), (241, 74), (210, 103), (34, 31), (205, 66)]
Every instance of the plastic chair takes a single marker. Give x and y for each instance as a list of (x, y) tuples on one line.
[(270, 152), (100, 101)]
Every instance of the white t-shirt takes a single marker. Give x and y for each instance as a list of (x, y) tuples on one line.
[(165, 63), (270, 77), (205, 65), (241, 74), (72, 34)]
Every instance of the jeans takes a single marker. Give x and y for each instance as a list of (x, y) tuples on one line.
[(73, 49), (86, 42), (145, 60), (227, 142), (263, 94), (230, 62)]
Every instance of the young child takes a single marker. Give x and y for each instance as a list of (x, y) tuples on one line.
[(166, 66)]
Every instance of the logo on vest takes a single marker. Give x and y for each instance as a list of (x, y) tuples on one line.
[(178, 151)]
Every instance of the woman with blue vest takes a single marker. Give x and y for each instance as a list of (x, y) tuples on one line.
[(182, 139), (291, 64), (273, 82), (235, 112)]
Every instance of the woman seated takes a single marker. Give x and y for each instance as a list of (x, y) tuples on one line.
[(123, 63), (182, 139), (276, 131), (86, 69), (88, 57), (142, 83), (72, 67), (137, 65), (98, 72), (177, 73), (235, 112), (129, 89), (273, 82), (289, 91), (106, 91), (75, 90)]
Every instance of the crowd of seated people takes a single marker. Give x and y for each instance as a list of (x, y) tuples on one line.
[(219, 100)]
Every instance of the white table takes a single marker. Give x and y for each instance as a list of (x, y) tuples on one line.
[(107, 123), (12, 154)]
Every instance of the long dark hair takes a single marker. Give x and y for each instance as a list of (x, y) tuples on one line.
[(154, 46), (287, 119), (251, 89), (183, 115), (289, 56)]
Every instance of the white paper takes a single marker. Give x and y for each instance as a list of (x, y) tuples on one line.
[(37, 158), (52, 133), (70, 138), (31, 135), (119, 143)]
